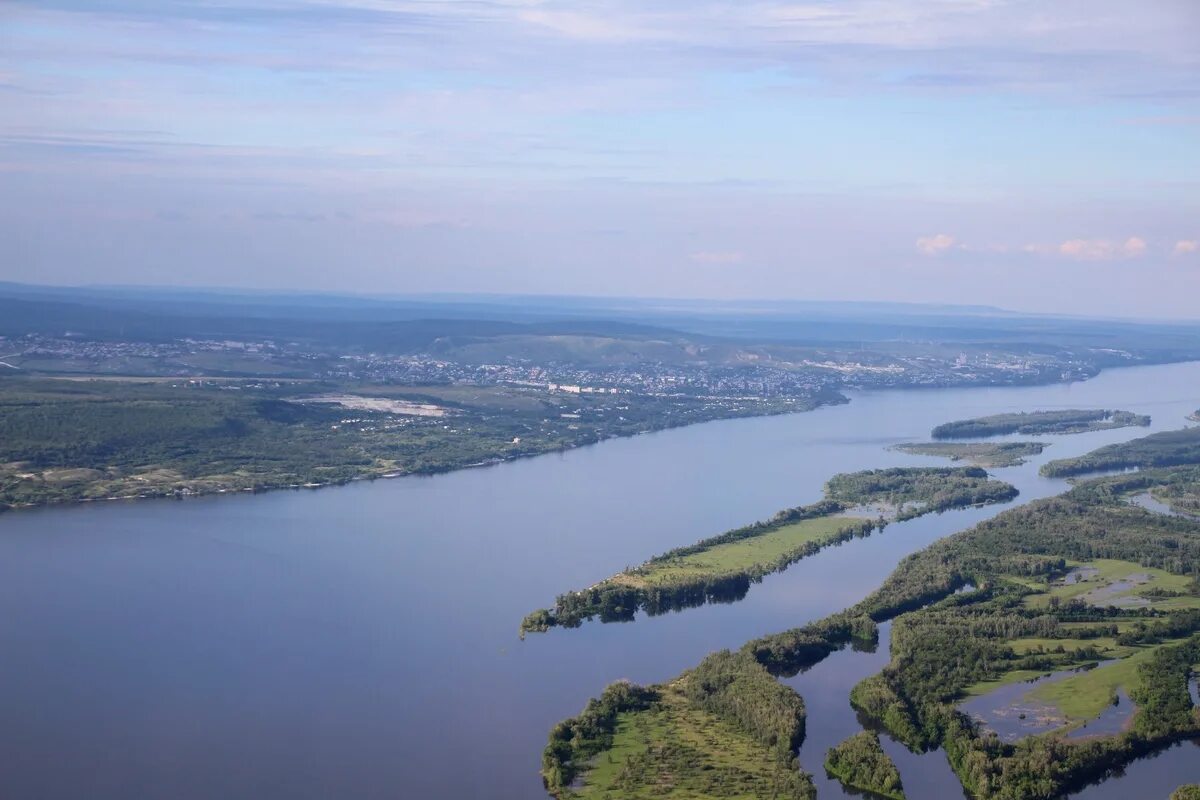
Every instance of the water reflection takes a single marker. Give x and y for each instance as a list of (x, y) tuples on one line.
[(826, 691), (1112, 720)]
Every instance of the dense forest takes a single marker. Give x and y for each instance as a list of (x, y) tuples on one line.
[(1166, 449), (860, 762), (981, 454), (1039, 422), (945, 641), (964, 639), (722, 568)]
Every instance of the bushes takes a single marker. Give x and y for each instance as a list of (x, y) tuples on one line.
[(860, 762), (736, 687)]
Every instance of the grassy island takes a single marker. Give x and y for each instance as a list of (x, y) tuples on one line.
[(1084, 581), (1039, 422), (724, 729), (981, 454), (721, 568), (1166, 449), (860, 763)]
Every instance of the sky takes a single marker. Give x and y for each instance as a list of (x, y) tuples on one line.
[(1039, 155)]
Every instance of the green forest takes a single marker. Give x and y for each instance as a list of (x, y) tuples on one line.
[(67, 440), (1166, 449), (1015, 619), (860, 762), (721, 568), (1039, 422)]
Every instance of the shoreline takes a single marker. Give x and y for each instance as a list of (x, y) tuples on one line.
[(845, 396)]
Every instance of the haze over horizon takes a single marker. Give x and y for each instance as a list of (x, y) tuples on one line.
[(1023, 155)]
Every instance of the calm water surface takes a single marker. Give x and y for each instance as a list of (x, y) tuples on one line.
[(361, 641)]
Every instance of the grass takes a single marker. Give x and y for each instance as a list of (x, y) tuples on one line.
[(1107, 646), (738, 555), (676, 750), (1110, 571), (1015, 676), (1084, 696), (1104, 644)]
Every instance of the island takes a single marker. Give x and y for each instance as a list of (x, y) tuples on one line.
[(721, 568), (991, 455), (860, 763), (724, 729), (1039, 422), (1165, 449), (1098, 597)]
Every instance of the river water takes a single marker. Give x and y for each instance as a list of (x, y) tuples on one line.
[(361, 641)]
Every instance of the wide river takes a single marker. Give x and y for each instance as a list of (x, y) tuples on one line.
[(362, 642)]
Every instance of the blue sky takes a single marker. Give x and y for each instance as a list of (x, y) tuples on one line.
[(1035, 155)]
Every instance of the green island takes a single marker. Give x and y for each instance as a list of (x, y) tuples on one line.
[(721, 568), (1166, 449), (70, 439), (1001, 603), (1040, 422), (1191, 792), (725, 729), (859, 762), (982, 454)]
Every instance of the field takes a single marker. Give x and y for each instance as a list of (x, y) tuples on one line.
[(677, 750), (738, 555)]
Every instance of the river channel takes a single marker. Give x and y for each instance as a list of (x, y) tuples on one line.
[(361, 641)]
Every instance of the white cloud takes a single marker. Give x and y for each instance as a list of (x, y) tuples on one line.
[(1185, 247), (1098, 249), (936, 244), (1134, 246), (717, 257)]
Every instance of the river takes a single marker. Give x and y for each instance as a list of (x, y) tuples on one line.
[(361, 641)]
